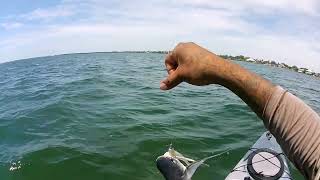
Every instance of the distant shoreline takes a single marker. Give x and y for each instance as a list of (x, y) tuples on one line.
[(245, 59), (229, 57), (294, 68)]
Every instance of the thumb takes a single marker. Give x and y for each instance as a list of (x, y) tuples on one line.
[(171, 81)]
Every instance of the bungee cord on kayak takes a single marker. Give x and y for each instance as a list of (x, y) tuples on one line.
[(253, 150)]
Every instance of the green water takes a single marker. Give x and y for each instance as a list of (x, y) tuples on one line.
[(102, 116)]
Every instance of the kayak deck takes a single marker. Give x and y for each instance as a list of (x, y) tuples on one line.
[(265, 160)]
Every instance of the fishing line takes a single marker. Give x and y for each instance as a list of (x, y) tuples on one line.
[(171, 134), (172, 137)]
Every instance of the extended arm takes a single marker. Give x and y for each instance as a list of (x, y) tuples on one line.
[(294, 124), (195, 65)]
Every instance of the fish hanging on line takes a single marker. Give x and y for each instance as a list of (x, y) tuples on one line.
[(172, 168)]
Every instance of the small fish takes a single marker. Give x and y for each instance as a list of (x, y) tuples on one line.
[(172, 168)]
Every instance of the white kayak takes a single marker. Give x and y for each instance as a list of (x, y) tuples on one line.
[(265, 160)]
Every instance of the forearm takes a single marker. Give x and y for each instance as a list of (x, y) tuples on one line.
[(250, 87)]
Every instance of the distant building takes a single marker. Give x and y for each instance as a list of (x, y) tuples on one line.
[(302, 70), (283, 65), (295, 68), (310, 72), (250, 60)]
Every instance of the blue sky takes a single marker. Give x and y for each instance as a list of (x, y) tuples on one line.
[(282, 30)]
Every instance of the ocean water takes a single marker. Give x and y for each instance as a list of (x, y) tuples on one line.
[(102, 116)]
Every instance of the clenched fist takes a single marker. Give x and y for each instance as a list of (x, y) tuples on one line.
[(193, 64)]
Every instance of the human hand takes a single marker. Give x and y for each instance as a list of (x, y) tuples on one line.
[(190, 63)]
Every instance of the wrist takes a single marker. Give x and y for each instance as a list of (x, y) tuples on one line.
[(220, 70)]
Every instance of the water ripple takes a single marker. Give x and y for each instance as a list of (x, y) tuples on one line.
[(102, 116)]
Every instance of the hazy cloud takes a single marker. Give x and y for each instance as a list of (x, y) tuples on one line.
[(283, 30), (45, 14), (10, 25)]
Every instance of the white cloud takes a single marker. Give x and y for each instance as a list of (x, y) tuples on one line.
[(307, 7), (51, 13), (271, 29), (11, 25), (47, 14)]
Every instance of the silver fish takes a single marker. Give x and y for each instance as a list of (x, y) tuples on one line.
[(172, 168)]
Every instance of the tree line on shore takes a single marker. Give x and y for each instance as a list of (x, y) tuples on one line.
[(272, 63)]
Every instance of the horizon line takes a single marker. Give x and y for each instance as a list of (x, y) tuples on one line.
[(122, 51)]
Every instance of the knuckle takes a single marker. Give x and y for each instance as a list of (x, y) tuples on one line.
[(178, 47), (182, 45)]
